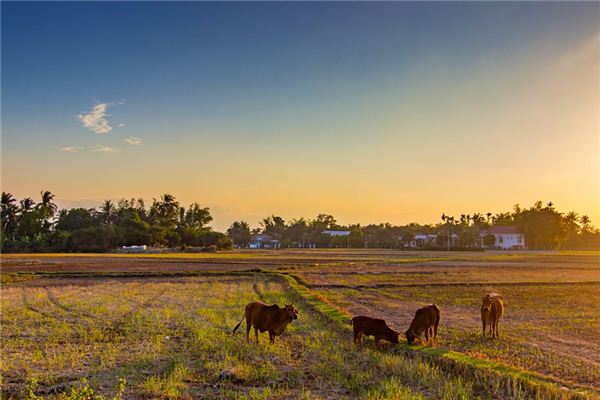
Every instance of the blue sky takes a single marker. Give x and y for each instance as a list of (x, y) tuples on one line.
[(254, 108)]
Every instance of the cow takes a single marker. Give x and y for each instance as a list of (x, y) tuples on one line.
[(372, 327), (492, 308), (426, 320), (264, 318)]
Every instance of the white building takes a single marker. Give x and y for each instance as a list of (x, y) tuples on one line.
[(263, 241), (336, 233), (507, 237)]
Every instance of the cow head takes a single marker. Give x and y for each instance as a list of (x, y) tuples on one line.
[(410, 336), (487, 301), (486, 304), (291, 312)]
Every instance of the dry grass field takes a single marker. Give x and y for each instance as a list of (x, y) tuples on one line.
[(160, 326)]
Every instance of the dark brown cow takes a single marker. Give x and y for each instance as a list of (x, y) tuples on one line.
[(373, 327), (264, 318), (492, 308), (426, 320)]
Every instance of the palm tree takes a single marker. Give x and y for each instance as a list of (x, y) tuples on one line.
[(9, 213), (26, 205), (477, 219), (46, 207), (107, 211), (585, 223)]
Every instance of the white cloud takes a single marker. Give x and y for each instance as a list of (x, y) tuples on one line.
[(120, 125), (134, 141), (98, 148), (71, 149), (95, 119)]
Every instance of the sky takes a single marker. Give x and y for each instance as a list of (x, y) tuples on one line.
[(373, 112)]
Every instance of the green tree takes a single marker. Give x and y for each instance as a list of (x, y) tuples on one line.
[(107, 212), (239, 233), (489, 240), (274, 225), (356, 239), (9, 213), (197, 217), (297, 232), (46, 209)]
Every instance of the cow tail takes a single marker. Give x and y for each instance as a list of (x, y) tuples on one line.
[(238, 325), (437, 321)]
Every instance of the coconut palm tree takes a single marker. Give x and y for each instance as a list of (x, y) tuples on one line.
[(571, 220), (45, 210), (9, 212), (26, 205), (107, 211), (46, 207), (585, 223)]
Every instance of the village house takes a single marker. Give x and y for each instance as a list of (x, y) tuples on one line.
[(507, 237), (263, 241)]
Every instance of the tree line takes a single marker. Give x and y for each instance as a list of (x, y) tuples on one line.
[(39, 227), (30, 226), (543, 226)]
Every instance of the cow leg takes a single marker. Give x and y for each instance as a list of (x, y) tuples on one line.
[(497, 329), (376, 342), (248, 327), (427, 335), (356, 337), (256, 334), (271, 338), (483, 327)]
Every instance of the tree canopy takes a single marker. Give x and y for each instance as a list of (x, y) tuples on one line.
[(30, 226)]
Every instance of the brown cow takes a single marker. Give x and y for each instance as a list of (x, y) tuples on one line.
[(264, 318), (426, 320), (373, 327), (492, 308)]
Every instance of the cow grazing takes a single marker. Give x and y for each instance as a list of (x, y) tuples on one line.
[(492, 308), (264, 318), (373, 327), (426, 320)]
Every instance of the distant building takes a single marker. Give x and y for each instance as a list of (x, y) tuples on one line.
[(422, 240), (336, 233), (263, 241), (134, 249), (507, 237)]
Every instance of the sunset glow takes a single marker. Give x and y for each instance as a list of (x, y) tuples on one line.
[(371, 112)]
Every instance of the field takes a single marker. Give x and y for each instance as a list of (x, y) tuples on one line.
[(159, 326)]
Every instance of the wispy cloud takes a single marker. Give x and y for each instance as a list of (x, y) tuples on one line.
[(134, 141), (95, 119), (120, 125), (98, 148), (70, 149)]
